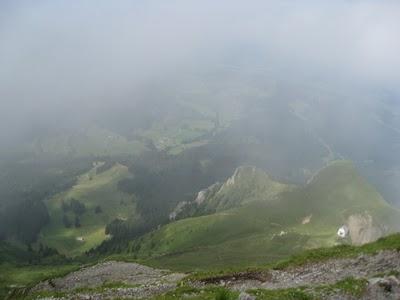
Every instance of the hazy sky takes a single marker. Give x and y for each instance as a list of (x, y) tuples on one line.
[(62, 56)]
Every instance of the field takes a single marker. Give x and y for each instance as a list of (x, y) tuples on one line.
[(93, 190)]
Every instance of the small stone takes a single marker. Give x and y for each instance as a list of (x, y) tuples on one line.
[(245, 296)]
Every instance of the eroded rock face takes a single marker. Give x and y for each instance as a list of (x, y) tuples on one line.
[(362, 229), (183, 209), (178, 209)]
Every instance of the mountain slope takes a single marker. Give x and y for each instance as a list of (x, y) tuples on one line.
[(339, 195), (247, 184), (266, 226)]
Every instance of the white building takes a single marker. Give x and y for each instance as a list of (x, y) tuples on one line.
[(343, 231)]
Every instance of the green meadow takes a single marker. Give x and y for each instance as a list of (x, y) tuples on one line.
[(93, 190)]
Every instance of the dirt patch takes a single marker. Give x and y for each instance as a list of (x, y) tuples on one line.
[(259, 276)]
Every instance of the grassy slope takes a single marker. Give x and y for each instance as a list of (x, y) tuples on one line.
[(334, 194), (12, 276), (251, 234), (92, 189), (246, 185), (236, 237), (17, 269), (338, 191), (391, 242)]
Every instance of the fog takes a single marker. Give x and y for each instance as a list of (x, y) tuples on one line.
[(72, 57)]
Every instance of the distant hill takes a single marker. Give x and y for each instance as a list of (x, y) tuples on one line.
[(252, 219)]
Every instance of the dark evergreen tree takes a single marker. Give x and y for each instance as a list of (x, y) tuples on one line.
[(66, 221), (77, 207), (77, 222), (98, 209), (64, 206)]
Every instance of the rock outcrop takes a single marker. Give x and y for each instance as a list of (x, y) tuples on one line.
[(363, 229)]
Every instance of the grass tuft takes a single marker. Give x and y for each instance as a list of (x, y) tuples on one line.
[(282, 294)]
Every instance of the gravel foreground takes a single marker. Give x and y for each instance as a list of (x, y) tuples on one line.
[(381, 271), (140, 282), (327, 272), (136, 281)]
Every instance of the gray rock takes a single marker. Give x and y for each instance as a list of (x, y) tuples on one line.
[(383, 288), (245, 296)]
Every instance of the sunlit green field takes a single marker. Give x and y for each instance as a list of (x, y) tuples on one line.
[(93, 190)]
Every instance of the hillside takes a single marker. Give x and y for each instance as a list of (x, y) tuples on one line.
[(93, 202), (271, 221)]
